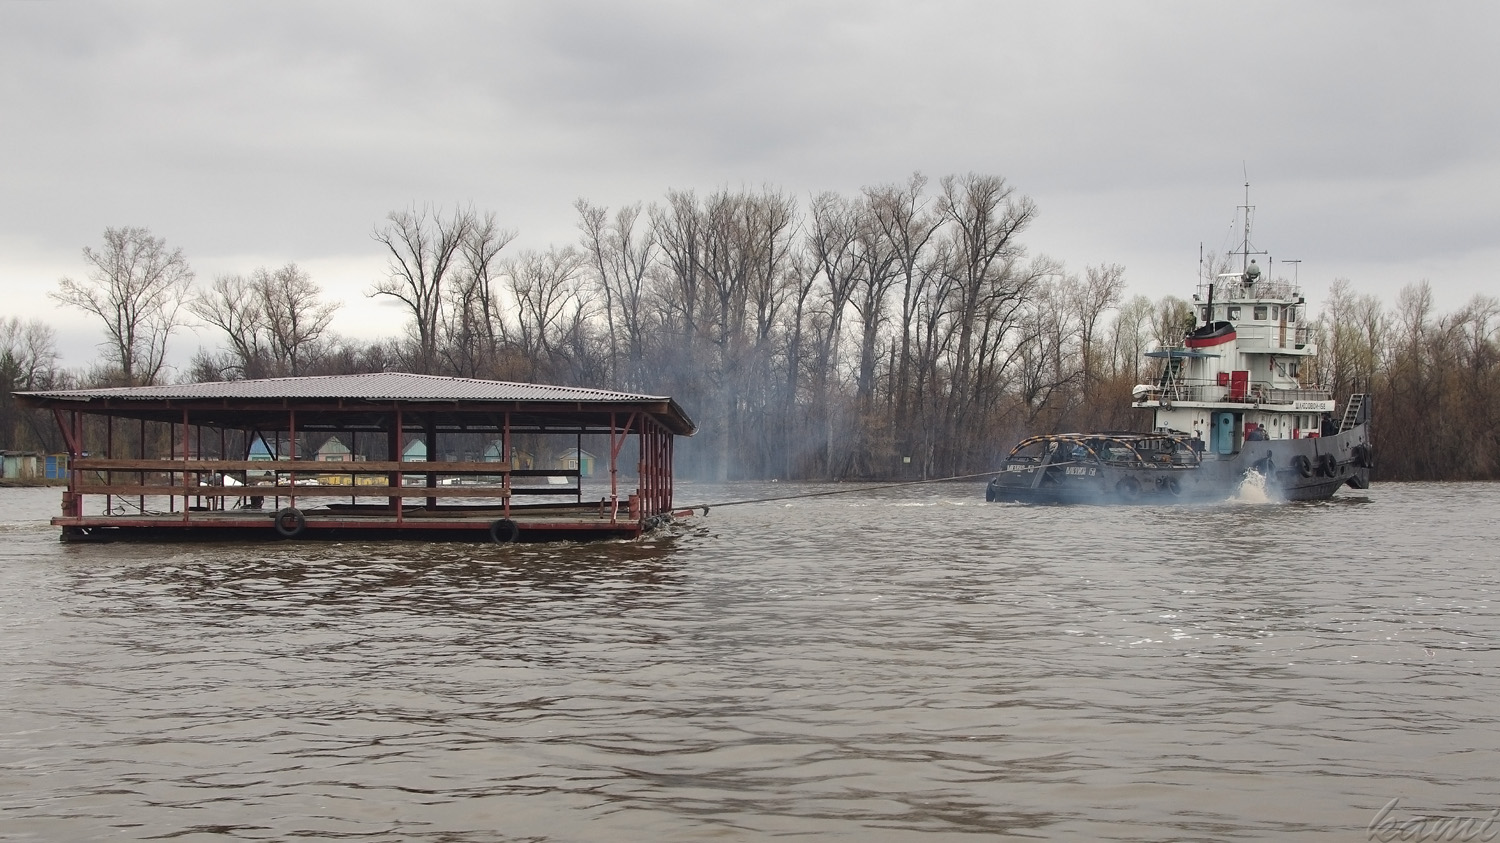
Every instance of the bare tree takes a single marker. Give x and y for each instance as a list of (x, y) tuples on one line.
[(545, 285), (620, 260), (1356, 330), (136, 288), (835, 245), (474, 329), (1171, 320), (28, 354), (1129, 338), (232, 305), (766, 227), (28, 360), (1046, 351), (901, 215), (1100, 289), (273, 321), (424, 247), (989, 289), (295, 315)]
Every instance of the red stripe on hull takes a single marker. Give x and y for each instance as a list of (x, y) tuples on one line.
[(1206, 342)]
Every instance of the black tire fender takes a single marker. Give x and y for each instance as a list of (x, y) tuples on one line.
[(1328, 465), (289, 522), (1303, 465), (1128, 489), (504, 531)]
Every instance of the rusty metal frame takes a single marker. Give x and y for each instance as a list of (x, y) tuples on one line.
[(206, 505)]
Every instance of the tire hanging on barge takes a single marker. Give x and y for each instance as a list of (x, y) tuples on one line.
[(289, 522), (504, 531)]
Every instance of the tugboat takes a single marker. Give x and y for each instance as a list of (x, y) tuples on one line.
[(1233, 403)]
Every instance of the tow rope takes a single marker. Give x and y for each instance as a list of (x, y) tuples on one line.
[(868, 488)]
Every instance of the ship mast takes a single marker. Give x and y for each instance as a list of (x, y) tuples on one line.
[(1245, 250), (1245, 245)]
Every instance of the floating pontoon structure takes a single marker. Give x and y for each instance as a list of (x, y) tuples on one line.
[(234, 459)]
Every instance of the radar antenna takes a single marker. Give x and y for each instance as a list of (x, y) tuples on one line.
[(1246, 249), (1296, 279)]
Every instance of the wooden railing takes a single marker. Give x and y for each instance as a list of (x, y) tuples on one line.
[(299, 478)]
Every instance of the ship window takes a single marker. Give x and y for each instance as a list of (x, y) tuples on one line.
[(1207, 317), (1292, 369), (1234, 313), (1260, 312), (1291, 314), (1275, 311)]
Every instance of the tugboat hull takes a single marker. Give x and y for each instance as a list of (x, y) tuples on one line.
[(1287, 470)]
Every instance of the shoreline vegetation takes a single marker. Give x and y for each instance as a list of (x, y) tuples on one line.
[(902, 332)]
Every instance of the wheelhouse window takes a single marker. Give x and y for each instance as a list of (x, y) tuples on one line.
[(1260, 313), (1234, 312)]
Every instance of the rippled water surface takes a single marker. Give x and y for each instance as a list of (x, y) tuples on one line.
[(907, 663)]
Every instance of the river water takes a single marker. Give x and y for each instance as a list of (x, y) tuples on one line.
[(896, 664)]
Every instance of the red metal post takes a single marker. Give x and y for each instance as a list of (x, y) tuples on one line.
[(429, 432), (186, 445), (614, 455), (614, 460), (396, 454), (78, 475), (140, 476), (109, 452), (505, 483), (291, 444), (667, 444)]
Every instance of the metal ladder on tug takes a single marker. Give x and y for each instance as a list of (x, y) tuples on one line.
[(1352, 412)]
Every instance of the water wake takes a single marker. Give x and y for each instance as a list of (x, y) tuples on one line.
[(1253, 490)]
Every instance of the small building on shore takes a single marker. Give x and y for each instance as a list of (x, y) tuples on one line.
[(194, 460), (578, 460), (20, 465), (32, 466)]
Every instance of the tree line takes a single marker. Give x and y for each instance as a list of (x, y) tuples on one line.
[(900, 332)]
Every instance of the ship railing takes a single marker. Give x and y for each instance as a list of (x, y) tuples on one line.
[(1206, 391), (1266, 290)]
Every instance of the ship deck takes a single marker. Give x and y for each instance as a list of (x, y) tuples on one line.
[(542, 523)]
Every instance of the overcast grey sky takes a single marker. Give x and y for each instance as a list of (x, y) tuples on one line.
[(260, 133)]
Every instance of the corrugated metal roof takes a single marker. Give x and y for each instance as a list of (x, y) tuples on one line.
[(377, 386), (231, 403)]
